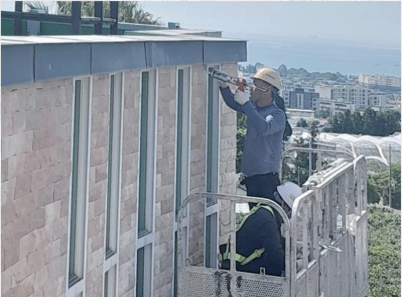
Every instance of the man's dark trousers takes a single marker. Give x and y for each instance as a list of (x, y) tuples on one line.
[(263, 185)]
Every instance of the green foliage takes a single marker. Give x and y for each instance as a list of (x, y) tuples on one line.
[(322, 114), (129, 11), (373, 194), (283, 70), (384, 240), (313, 129), (240, 136), (370, 123), (302, 123), (378, 185), (31, 5), (296, 168)]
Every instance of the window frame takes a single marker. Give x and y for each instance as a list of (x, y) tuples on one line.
[(211, 208), (185, 222), (146, 239), (77, 286)]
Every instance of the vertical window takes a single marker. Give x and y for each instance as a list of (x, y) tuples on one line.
[(213, 138), (182, 136), (79, 181), (211, 238), (146, 183), (144, 272), (110, 282), (147, 153), (113, 183), (212, 171), (182, 170), (114, 160)]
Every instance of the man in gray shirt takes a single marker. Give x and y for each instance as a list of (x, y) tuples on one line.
[(265, 127)]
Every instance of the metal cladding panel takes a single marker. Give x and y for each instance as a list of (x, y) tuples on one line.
[(173, 53), (17, 64), (111, 57), (62, 60), (225, 51)]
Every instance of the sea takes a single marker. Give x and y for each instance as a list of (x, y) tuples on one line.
[(323, 55)]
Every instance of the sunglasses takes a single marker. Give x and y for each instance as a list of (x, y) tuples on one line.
[(263, 89)]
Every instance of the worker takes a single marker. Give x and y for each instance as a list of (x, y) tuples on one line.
[(258, 238), (266, 124)]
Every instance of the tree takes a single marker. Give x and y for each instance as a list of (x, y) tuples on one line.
[(32, 5), (348, 123), (301, 123), (296, 168), (240, 136), (373, 191), (129, 11), (378, 185), (357, 122), (369, 120), (258, 66), (314, 130), (371, 123), (283, 70), (384, 245), (336, 123)]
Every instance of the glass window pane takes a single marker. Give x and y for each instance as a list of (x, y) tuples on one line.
[(143, 156), (144, 271), (175, 265), (79, 169), (211, 241), (73, 221), (140, 273), (179, 139), (109, 250), (212, 166), (105, 289), (110, 282)]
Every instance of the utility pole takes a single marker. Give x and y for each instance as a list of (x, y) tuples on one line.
[(298, 175)]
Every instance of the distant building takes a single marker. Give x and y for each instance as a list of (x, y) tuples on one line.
[(377, 100), (382, 82), (358, 96), (300, 99), (334, 107), (294, 115)]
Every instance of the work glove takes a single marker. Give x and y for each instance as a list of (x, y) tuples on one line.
[(241, 97), (222, 84)]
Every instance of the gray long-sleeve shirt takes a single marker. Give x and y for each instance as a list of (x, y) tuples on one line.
[(263, 142)]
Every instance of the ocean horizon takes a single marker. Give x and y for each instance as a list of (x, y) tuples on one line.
[(318, 55)]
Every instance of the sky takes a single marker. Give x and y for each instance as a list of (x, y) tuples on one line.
[(367, 32), (371, 22), (377, 23)]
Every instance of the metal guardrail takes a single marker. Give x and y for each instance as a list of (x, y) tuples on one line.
[(196, 280), (326, 241), (286, 152)]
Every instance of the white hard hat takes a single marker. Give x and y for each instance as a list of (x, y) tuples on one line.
[(289, 192), (270, 76)]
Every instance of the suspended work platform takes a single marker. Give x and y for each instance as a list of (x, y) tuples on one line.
[(326, 247)]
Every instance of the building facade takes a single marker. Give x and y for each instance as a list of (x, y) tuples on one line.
[(377, 100), (358, 96), (102, 138), (334, 107), (382, 82), (300, 98)]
